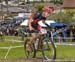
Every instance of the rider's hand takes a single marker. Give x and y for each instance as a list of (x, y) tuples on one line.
[(31, 28)]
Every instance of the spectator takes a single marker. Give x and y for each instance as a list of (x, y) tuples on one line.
[(68, 32), (55, 35), (64, 33), (73, 34), (61, 37), (1, 36)]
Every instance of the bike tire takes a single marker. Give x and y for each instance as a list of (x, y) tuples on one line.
[(48, 49), (31, 54)]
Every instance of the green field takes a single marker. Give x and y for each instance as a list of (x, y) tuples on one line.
[(15, 53)]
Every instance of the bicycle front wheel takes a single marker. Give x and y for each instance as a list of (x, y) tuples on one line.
[(29, 54), (48, 49)]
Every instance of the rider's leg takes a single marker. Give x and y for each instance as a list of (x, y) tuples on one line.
[(40, 41), (33, 37)]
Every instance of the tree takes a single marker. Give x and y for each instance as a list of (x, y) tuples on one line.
[(24, 1), (42, 0), (0, 1), (57, 1), (65, 17), (28, 1), (39, 7), (58, 4), (6, 1), (1, 10)]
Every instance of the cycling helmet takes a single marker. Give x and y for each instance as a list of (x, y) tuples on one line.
[(48, 9)]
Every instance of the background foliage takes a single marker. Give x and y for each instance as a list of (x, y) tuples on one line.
[(67, 16)]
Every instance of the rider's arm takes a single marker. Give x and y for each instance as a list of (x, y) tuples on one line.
[(46, 24), (29, 23)]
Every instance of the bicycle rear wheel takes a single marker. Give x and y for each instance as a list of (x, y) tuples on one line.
[(48, 49), (29, 54)]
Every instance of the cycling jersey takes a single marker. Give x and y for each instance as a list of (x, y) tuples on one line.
[(36, 18)]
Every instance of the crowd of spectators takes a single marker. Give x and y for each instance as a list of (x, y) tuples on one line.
[(8, 28), (64, 34)]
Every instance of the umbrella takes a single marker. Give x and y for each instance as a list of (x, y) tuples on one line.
[(58, 24), (24, 23)]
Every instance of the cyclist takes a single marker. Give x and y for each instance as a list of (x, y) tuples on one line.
[(34, 26)]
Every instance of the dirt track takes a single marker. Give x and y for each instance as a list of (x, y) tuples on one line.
[(36, 60), (22, 60)]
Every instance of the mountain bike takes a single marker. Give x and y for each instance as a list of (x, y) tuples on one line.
[(48, 48)]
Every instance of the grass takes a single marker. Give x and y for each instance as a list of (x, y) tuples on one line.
[(6, 44), (16, 53), (66, 52), (62, 51), (12, 38), (2, 53)]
